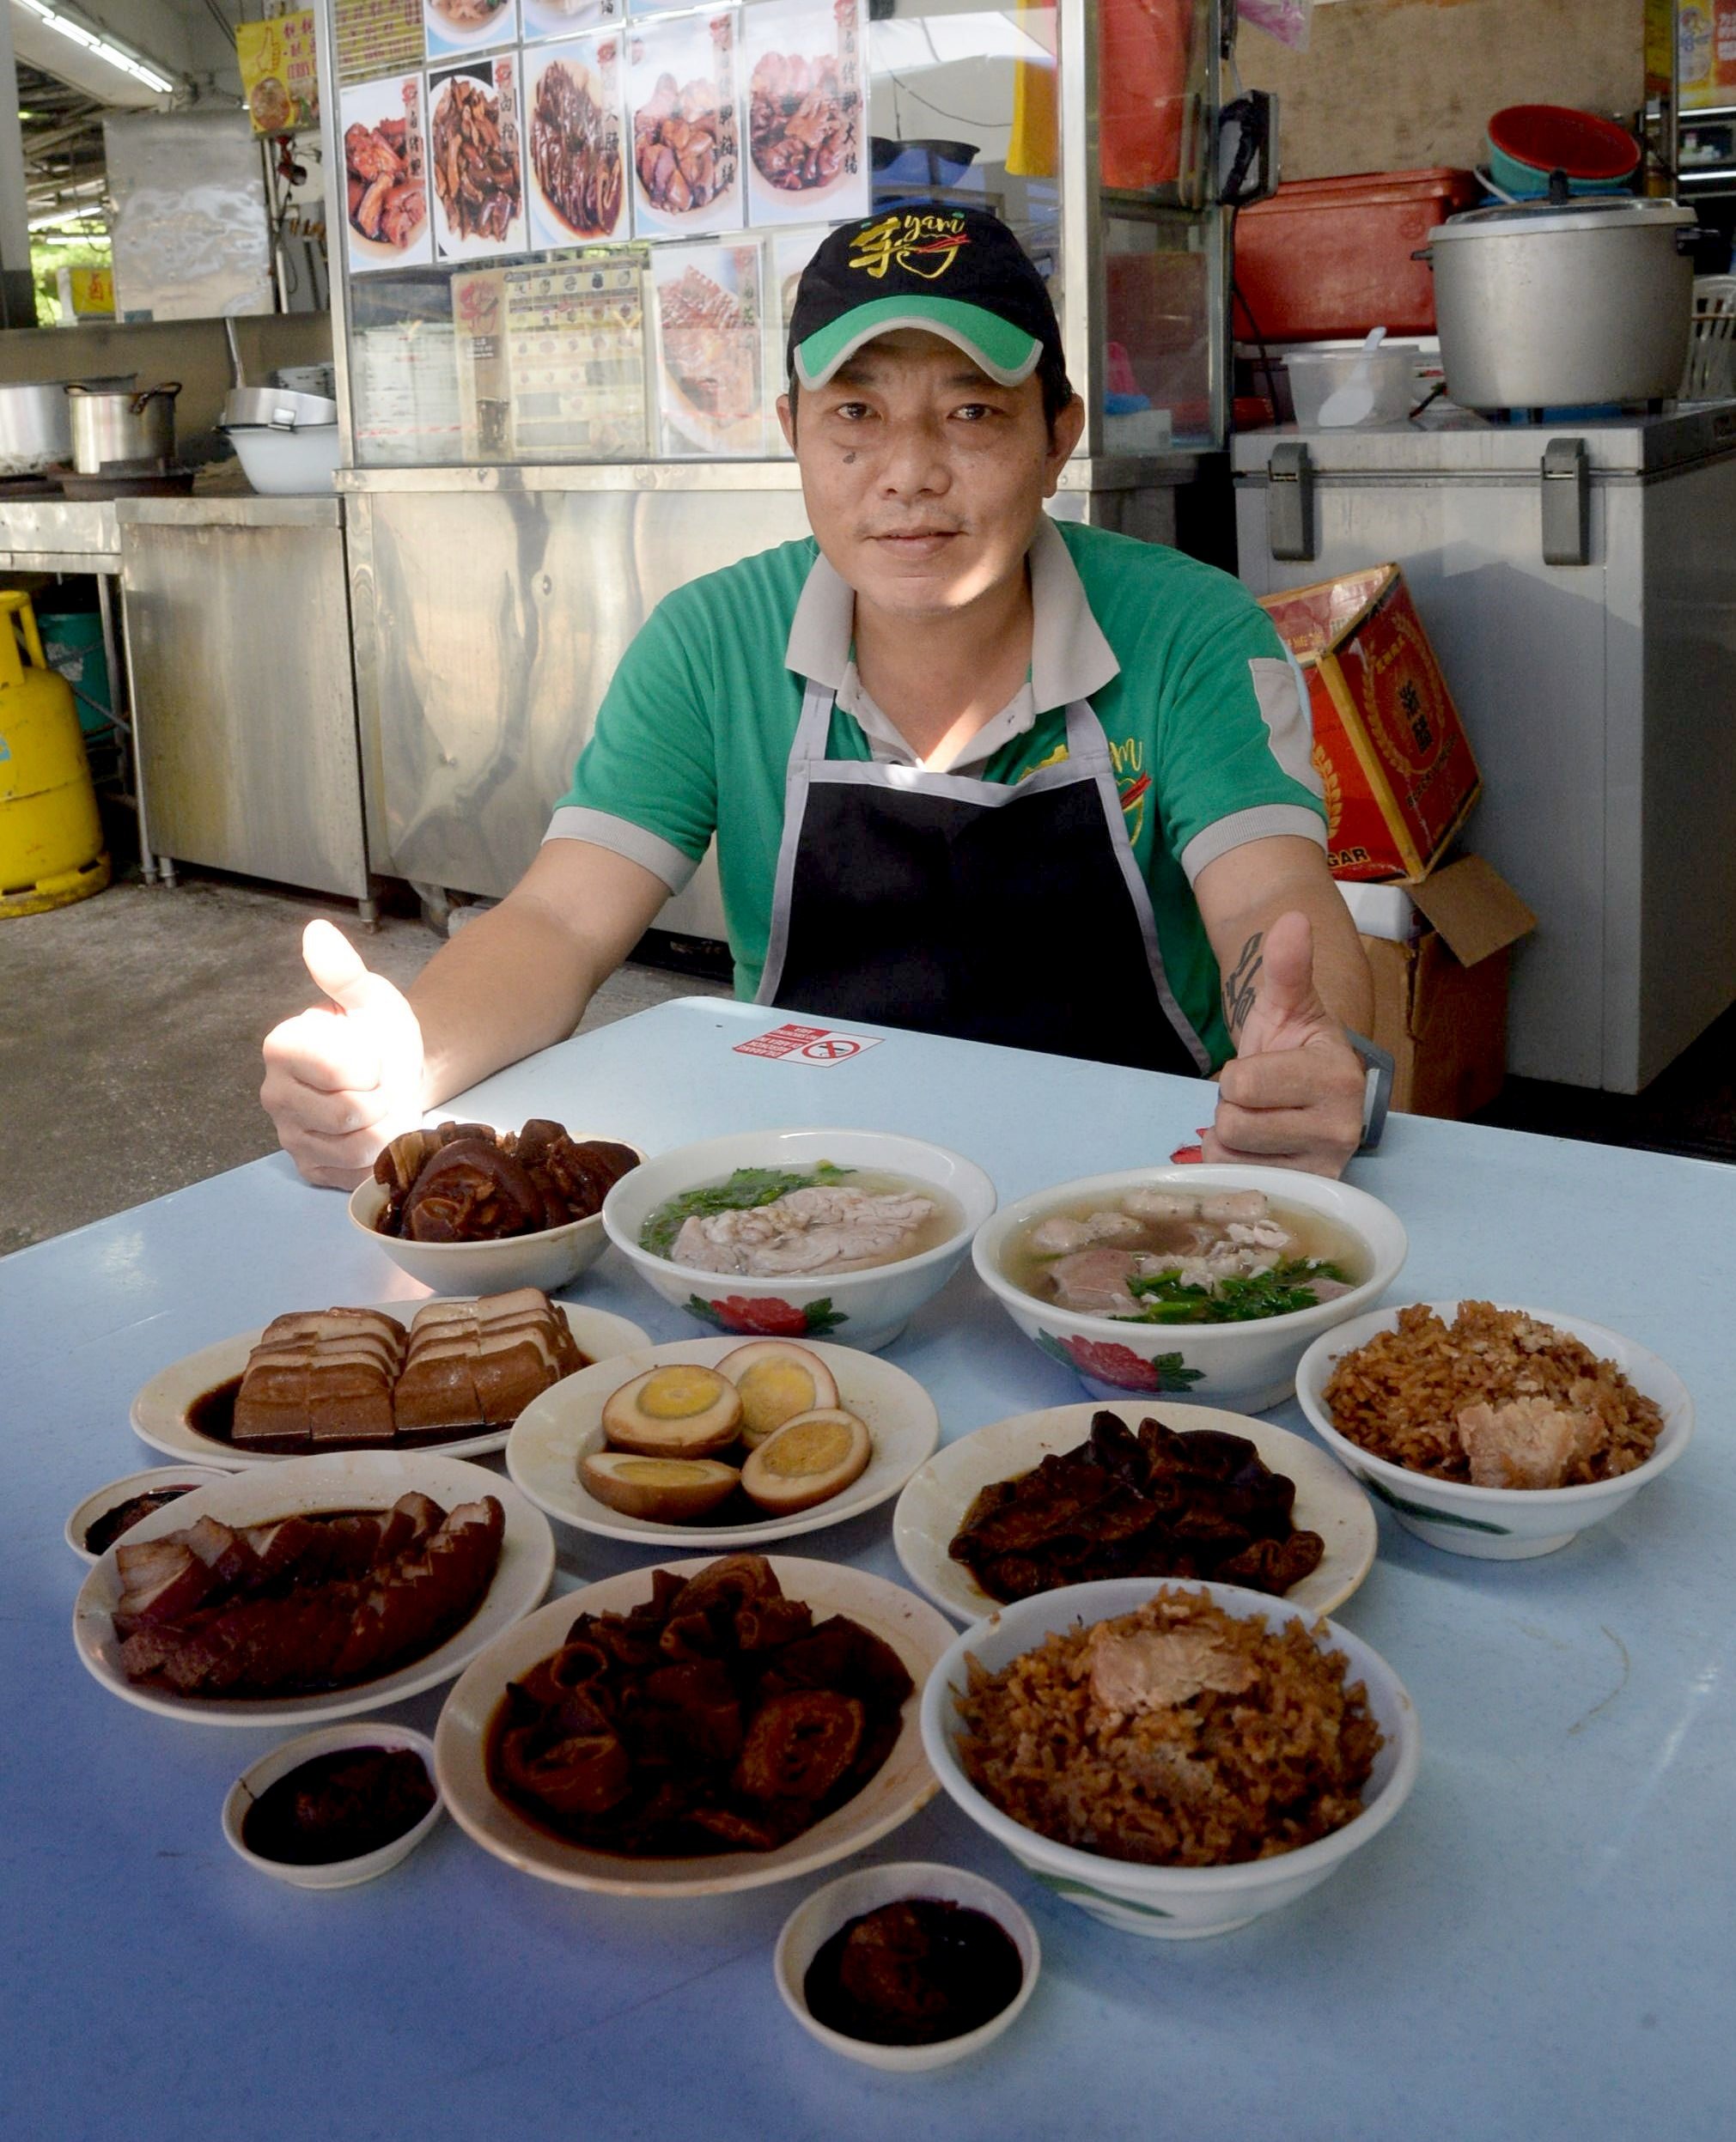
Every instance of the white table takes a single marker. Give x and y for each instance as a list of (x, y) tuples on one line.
[(1541, 1946)]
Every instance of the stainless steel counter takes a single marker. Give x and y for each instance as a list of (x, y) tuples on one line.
[(491, 605), (238, 623), (59, 535)]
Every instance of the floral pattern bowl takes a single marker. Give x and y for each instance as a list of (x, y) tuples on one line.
[(1247, 1367), (865, 1308)]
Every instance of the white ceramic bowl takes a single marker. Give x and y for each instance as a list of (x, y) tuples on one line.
[(118, 1491), (1168, 1903), (902, 1783), (933, 1506), (1246, 1367), (551, 1259), (1497, 1523), (813, 1923), (867, 1309), (335, 1874)]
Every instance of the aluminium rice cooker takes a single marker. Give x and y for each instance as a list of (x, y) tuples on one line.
[(1563, 304)]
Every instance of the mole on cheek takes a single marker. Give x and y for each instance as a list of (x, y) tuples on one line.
[(849, 459)]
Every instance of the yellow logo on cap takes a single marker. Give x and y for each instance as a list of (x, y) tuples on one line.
[(922, 244)]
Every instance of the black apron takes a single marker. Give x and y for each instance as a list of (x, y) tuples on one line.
[(1015, 915)]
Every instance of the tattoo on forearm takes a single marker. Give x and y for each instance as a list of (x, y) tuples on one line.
[(1239, 984)]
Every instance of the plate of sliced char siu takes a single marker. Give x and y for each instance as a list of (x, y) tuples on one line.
[(451, 1375)]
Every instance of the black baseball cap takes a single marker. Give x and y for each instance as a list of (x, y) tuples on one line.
[(956, 272)]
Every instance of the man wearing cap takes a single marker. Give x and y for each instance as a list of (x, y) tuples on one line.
[(968, 768)]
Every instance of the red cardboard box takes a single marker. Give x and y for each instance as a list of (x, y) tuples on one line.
[(1399, 775)]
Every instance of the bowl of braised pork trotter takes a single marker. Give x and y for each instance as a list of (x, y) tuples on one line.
[(795, 1234), (1203, 1283), (470, 1210)]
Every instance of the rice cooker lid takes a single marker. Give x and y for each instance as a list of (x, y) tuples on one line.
[(1546, 218)]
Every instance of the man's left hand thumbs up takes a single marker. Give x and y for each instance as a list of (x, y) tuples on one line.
[(1292, 1097)]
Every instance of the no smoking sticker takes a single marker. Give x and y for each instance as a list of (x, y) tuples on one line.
[(807, 1044)]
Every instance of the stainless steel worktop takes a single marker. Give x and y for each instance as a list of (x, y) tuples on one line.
[(218, 510), (59, 535)]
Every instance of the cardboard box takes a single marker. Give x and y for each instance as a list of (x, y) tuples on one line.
[(1440, 1002), (1399, 775)]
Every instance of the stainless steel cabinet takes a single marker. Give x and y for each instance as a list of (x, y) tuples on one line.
[(238, 619)]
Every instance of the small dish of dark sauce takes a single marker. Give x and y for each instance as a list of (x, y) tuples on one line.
[(340, 1805), (102, 1532), (917, 1972)]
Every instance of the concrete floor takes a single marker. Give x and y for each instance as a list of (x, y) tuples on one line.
[(130, 1032)]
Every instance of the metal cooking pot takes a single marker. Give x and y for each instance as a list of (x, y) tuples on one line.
[(35, 427), (1567, 303), (136, 429), (246, 406)]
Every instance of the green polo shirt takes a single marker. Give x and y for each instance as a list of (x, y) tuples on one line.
[(1207, 730)]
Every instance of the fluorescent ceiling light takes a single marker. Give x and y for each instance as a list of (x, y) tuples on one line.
[(100, 45)]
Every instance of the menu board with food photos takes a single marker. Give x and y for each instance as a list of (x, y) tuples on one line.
[(385, 178), (682, 95), (575, 348), (576, 165), (375, 37), (475, 159), (468, 26), (560, 18), (711, 367), (801, 74), (280, 73)]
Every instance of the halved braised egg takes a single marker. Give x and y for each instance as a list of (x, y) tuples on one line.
[(777, 1379), (679, 1410), (667, 1490), (807, 1460)]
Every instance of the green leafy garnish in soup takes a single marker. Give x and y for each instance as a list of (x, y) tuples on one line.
[(1157, 1255), (770, 1223)]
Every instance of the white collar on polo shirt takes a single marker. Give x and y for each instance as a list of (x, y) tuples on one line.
[(1069, 657)]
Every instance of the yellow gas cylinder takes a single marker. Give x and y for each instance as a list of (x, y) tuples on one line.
[(51, 837)]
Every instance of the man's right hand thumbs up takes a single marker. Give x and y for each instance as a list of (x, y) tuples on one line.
[(344, 1079)]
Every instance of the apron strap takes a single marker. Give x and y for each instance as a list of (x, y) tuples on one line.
[(812, 733)]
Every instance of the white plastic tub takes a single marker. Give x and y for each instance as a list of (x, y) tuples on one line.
[(279, 461), (1315, 375)]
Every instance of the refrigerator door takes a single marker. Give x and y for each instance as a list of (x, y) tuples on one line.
[(1596, 697)]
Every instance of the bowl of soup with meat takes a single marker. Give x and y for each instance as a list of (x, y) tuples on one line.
[(793, 1234), (1189, 1283)]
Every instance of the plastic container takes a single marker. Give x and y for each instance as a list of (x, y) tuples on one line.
[(1527, 142), (285, 461), (1331, 257), (1316, 374)]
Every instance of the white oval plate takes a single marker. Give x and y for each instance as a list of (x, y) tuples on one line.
[(355, 1480), (564, 1424), (932, 1508), (160, 1411), (902, 1783)]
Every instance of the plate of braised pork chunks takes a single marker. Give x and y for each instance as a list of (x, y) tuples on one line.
[(440, 1374)]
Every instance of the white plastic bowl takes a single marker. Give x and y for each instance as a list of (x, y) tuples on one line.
[(1497, 1523), (813, 1923), (1244, 1367), (335, 1874), (551, 1258), (118, 1491), (866, 1309), (1168, 1903), (281, 461)]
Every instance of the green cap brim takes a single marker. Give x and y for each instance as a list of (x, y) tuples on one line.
[(1006, 353)]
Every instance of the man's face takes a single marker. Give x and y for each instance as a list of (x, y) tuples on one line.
[(923, 477)]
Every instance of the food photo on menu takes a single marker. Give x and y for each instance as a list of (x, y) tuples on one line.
[(475, 167), (789, 252), (802, 68), (577, 134), (468, 26), (710, 379), (560, 18), (386, 217), (686, 143)]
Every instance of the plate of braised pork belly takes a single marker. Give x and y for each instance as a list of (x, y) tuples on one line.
[(428, 1374), (313, 1589)]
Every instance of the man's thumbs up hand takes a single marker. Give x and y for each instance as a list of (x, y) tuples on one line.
[(345, 1078), (1292, 1097)]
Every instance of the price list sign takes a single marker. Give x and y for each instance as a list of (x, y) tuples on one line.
[(376, 36)]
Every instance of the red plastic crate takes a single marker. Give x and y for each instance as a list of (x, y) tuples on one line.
[(1328, 258)]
